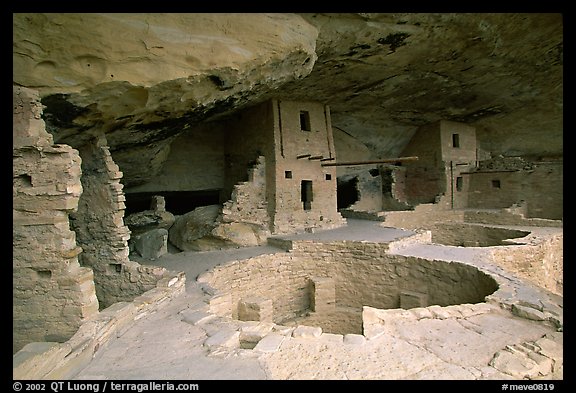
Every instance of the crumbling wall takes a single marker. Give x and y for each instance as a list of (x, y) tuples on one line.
[(63, 361), (503, 182), (100, 229), (369, 190), (52, 295), (249, 135), (445, 149), (244, 220), (425, 178), (393, 188), (540, 262)]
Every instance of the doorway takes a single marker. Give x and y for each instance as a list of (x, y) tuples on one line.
[(306, 194)]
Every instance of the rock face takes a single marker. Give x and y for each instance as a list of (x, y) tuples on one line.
[(383, 75), (190, 227), (168, 72)]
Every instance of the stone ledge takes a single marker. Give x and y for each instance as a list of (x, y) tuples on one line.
[(50, 360)]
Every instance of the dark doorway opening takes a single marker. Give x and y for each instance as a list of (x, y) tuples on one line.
[(347, 192), (459, 182), (177, 202), (306, 194), (305, 121), (455, 140)]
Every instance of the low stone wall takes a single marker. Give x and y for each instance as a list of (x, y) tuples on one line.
[(472, 235), (52, 360), (540, 261), (509, 216), (364, 274), (375, 321), (422, 216)]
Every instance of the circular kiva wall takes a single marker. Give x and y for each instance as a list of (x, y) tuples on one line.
[(473, 235), (326, 285)]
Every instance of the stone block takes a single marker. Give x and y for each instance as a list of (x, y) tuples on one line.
[(528, 312), (255, 309), (221, 304), (354, 339), (253, 333), (197, 317), (332, 338), (152, 244), (270, 343), (421, 313), (224, 338), (440, 312), (307, 332), (515, 364)]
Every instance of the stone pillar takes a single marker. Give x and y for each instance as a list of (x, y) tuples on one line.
[(52, 294), (100, 229), (322, 294)]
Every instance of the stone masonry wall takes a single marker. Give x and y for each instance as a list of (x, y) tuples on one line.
[(364, 275), (100, 229), (52, 294), (424, 179), (248, 135), (290, 215), (422, 216), (472, 235), (540, 262), (244, 220), (299, 149), (540, 187), (63, 361)]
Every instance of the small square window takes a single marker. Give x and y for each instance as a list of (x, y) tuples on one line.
[(288, 174), (496, 183), (328, 176)]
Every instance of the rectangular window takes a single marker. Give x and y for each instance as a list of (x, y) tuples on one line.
[(305, 121), (328, 176), (455, 140), (288, 174), (459, 182), (306, 194), (496, 183)]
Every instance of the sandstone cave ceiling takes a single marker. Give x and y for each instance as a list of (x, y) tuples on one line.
[(145, 78)]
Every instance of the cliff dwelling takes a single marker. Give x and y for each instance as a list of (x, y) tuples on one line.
[(287, 196)]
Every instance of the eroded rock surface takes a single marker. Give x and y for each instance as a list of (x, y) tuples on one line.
[(383, 75)]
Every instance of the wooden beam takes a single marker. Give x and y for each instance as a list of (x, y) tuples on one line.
[(383, 161)]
